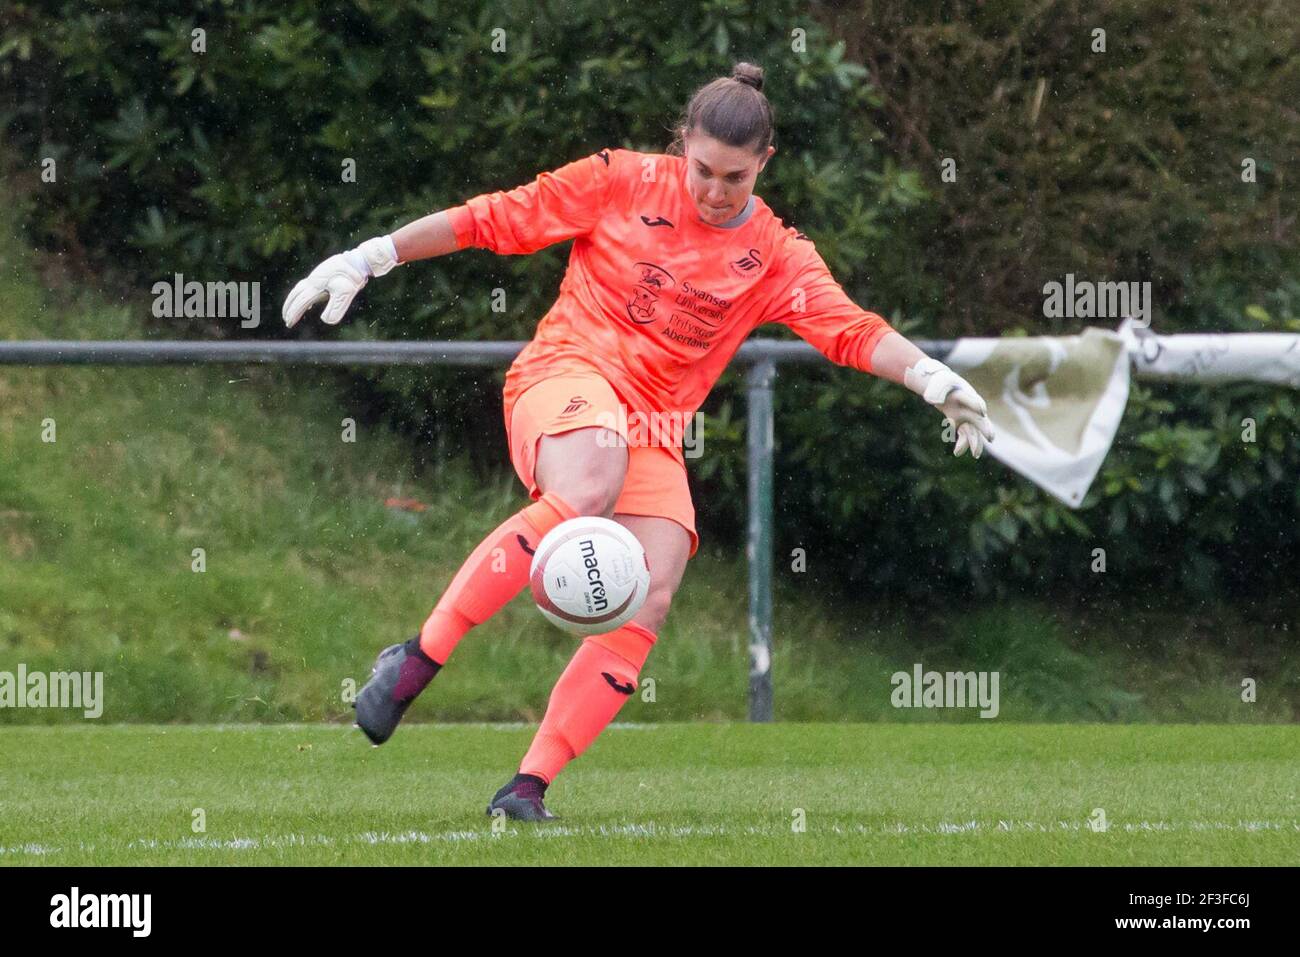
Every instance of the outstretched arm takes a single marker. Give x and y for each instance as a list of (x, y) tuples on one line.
[(818, 310), (339, 278), (426, 238), (556, 206), (893, 356), (896, 359)]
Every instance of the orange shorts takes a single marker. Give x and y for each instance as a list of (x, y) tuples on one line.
[(656, 481)]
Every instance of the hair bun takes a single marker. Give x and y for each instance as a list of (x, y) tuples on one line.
[(749, 74)]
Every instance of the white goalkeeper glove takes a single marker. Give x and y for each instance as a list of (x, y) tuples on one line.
[(956, 399), (339, 279)]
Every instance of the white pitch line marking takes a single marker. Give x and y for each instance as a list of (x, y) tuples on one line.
[(646, 830)]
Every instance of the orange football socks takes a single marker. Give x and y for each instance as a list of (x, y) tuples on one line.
[(602, 675), (493, 574)]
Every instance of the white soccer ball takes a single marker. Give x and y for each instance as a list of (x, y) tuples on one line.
[(589, 575)]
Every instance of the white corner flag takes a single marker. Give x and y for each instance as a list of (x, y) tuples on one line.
[(1055, 403)]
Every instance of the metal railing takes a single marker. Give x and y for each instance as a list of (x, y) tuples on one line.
[(761, 356)]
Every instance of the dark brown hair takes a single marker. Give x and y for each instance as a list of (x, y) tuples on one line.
[(731, 109)]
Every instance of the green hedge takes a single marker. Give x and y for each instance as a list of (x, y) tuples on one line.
[(227, 165), (1123, 164)]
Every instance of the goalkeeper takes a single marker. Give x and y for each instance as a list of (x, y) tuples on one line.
[(675, 261)]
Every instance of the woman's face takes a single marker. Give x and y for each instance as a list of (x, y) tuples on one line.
[(719, 177)]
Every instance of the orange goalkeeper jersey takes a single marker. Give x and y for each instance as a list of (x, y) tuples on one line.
[(654, 299)]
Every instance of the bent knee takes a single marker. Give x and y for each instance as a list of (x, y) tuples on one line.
[(655, 610), (584, 469), (592, 497)]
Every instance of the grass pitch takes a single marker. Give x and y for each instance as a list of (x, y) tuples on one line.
[(655, 794)]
